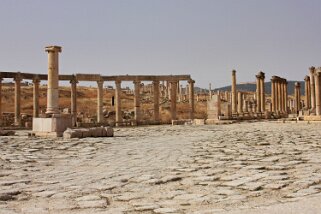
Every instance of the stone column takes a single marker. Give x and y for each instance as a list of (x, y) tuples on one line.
[(312, 87), (100, 92), (156, 100), (53, 80), (210, 91), (173, 99), (1, 118), (73, 106), (233, 89), (258, 94), (245, 106), (262, 91), (36, 83), (279, 96), (297, 97), (317, 80), (191, 99), (239, 102), (273, 94), (307, 92), (17, 100), (118, 102), (285, 85), (137, 101)]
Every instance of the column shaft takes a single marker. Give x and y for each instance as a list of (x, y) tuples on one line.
[(258, 94), (317, 93), (279, 96), (1, 118), (262, 93), (285, 88), (233, 89), (36, 83), (239, 103), (312, 87), (156, 100), (273, 95), (17, 101), (191, 99), (173, 99), (137, 101), (118, 102), (73, 106), (100, 91)]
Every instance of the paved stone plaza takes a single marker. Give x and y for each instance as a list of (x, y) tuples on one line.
[(165, 169)]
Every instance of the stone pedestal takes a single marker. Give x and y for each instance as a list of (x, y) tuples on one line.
[(51, 127)]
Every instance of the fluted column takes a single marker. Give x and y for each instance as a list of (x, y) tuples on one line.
[(73, 106), (239, 102), (312, 87), (262, 91), (118, 102), (36, 83), (100, 92), (53, 79), (307, 92), (279, 96), (285, 88), (233, 89), (156, 100), (173, 99), (273, 94), (137, 101), (191, 99), (317, 80), (258, 94), (17, 99)]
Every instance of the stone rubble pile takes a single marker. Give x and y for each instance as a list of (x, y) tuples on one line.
[(89, 132)]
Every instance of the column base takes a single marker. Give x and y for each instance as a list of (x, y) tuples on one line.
[(51, 127)]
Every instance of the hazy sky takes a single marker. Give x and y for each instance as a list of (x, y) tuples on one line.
[(204, 38)]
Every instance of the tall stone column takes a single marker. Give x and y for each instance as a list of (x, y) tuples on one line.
[(239, 102), (173, 99), (156, 100), (279, 96), (118, 102), (53, 79), (233, 89), (273, 94), (307, 92), (297, 97), (317, 80), (312, 87), (36, 83), (210, 91), (258, 94), (73, 106), (262, 91), (1, 118), (191, 99), (285, 85), (100, 92), (137, 101), (17, 100)]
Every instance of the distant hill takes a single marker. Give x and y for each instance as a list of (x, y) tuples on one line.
[(252, 87)]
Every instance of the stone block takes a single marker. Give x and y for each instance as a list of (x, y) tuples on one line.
[(199, 121), (51, 127), (72, 133), (86, 133), (109, 131)]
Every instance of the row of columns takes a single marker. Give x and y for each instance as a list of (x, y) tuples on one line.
[(73, 82), (279, 94), (312, 90)]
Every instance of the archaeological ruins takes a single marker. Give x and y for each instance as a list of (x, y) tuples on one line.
[(233, 105)]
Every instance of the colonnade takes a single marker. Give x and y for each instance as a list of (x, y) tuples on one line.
[(74, 80), (279, 94), (312, 90)]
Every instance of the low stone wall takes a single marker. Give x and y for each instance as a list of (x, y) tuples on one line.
[(89, 132)]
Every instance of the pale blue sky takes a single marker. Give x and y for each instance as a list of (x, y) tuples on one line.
[(204, 38)]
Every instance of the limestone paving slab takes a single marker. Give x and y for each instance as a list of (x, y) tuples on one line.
[(162, 169)]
